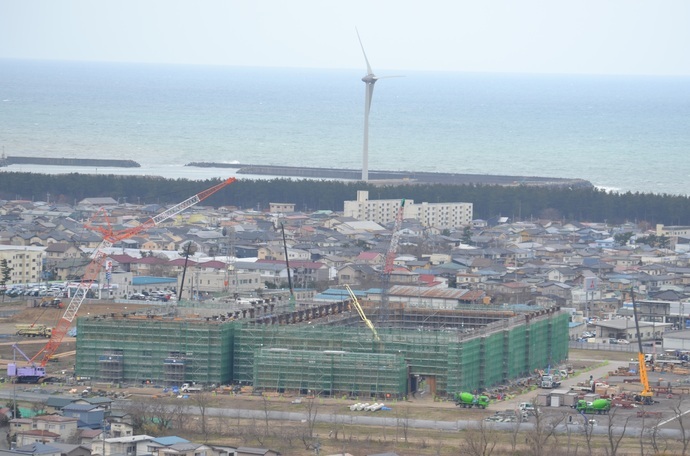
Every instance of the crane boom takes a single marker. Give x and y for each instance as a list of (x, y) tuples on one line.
[(388, 263), (360, 311), (98, 256), (647, 394)]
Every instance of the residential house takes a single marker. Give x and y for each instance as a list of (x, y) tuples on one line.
[(58, 251), (357, 274), (88, 415), (134, 445), (43, 429)]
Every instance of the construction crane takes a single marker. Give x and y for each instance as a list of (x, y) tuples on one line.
[(292, 301), (388, 264), (98, 256), (645, 397), (360, 311)]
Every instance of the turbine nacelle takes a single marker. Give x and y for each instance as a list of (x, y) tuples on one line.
[(370, 79)]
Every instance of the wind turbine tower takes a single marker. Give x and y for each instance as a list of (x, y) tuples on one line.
[(370, 79)]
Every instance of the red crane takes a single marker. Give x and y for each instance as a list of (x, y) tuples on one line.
[(98, 256), (388, 263)]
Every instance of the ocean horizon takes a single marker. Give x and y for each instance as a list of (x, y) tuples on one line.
[(621, 133)]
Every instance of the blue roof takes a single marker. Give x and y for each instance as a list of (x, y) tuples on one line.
[(148, 280), (170, 440), (36, 448), (341, 293)]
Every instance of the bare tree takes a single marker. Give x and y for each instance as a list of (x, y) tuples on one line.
[(311, 408), (140, 413), (650, 431), (588, 431), (613, 437), (39, 407), (163, 413), (403, 421), (267, 410), (180, 414), (515, 432), (544, 430), (680, 417), (478, 440), (203, 400)]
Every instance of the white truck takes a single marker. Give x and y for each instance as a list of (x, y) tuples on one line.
[(550, 381), (190, 388)]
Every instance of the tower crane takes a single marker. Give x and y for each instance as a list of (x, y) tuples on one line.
[(36, 368), (388, 263), (646, 396)]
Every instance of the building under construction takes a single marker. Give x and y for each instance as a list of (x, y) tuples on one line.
[(324, 348)]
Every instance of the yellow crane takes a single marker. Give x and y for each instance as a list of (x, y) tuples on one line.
[(360, 311), (646, 396)]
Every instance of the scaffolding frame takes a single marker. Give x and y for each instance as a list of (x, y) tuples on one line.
[(162, 351), (330, 373), (459, 357)]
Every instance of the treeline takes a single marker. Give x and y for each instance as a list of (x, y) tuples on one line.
[(518, 203)]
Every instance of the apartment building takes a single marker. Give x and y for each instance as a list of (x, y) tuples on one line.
[(439, 215), (25, 263)]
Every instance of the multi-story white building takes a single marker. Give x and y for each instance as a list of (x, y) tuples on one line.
[(439, 215), (25, 262)]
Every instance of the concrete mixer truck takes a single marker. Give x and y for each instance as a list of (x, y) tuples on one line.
[(469, 400)]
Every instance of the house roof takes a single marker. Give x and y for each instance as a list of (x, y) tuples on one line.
[(37, 448), (368, 256), (148, 280), (169, 440), (39, 433), (58, 401), (97, 400), (80, 407)]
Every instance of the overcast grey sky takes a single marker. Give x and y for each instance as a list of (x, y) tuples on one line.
[(533, 36)]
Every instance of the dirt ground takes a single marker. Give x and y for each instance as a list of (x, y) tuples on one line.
[(64, 359)]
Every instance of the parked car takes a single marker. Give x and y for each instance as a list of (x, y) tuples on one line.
[(623, 341)]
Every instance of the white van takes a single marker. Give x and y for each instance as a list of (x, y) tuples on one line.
[(527, 407)]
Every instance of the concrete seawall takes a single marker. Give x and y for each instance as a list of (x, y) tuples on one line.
[(399, 176), (104, 163)]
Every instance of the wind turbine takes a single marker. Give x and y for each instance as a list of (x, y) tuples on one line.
[(369, 79)]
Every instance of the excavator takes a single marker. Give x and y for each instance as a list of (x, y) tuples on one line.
[(647, 395)]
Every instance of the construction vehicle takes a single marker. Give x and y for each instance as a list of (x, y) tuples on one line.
[(93, 269), (189, 388), (646, 395), (51, 301), (598, 406), (33, 330), (26, 374), (469, 400), (550, 381), (360, 311)]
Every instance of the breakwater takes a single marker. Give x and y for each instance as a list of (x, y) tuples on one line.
[(411, 177), (50, 161)]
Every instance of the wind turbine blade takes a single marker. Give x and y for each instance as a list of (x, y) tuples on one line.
[(365, 54)]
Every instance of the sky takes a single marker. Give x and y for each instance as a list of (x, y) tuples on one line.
[(517, 36)]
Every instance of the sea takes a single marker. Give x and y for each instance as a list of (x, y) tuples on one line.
[(622, 133)]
